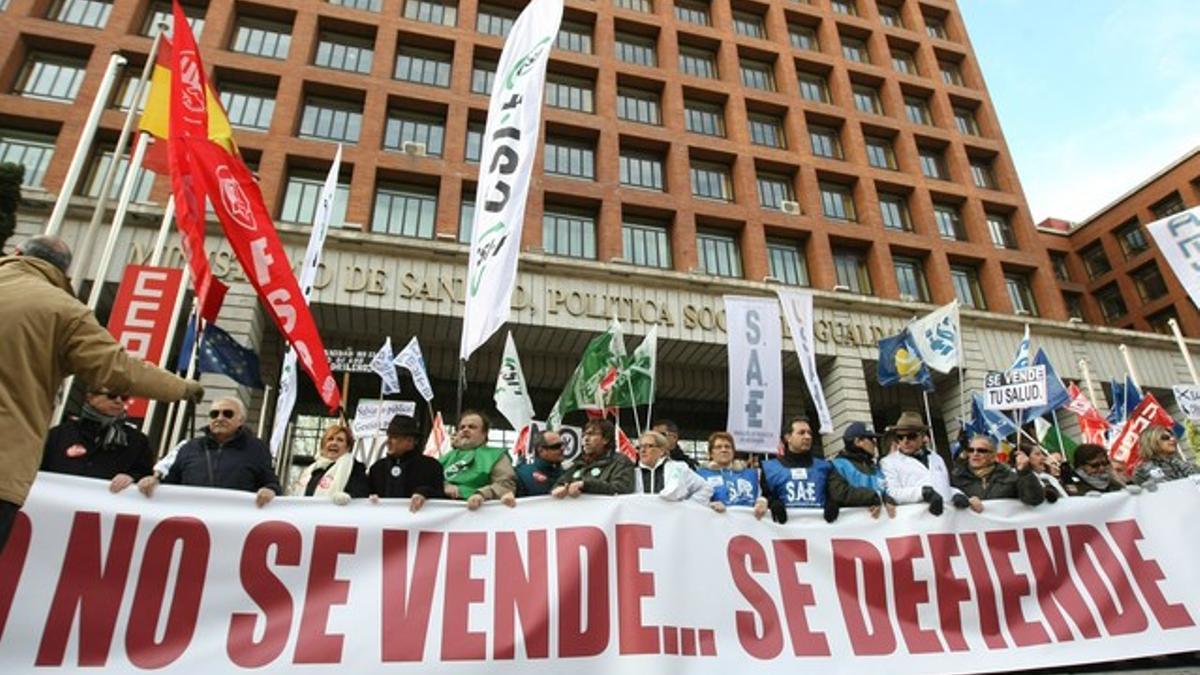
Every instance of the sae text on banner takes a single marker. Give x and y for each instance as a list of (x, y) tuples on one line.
[(755, 372)]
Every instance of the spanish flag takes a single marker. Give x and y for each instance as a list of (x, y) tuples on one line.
[(156, 117)]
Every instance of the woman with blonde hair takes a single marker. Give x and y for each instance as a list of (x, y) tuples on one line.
[(733, 483), (1160, 459), (334, 473)]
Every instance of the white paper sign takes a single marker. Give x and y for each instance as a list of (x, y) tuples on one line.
[(372, 416), (755, 372), (1015, 389)]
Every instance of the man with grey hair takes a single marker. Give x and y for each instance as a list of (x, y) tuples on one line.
[(46, 335), (226, 456)]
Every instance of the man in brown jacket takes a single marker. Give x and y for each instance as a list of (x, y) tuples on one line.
[(45, 335)]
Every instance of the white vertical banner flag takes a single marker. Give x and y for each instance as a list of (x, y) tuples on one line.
[(510, 141), (798, 310), (411, 359), (936, 336), (512, 394), (307, 277), (755, 372), (1178, 237), (381, 365)]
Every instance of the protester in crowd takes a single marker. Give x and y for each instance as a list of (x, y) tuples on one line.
[(796, 479), (334, 473), (1040, 462), (46, 335), (475, 471), (537, 477), (100, 443), (671, 480), (912, 473), (404, 472), (981, 478), (1094, 474), (675, 453), (600, 469), (856, 479), (733, 481), (227, 456), (1159, 458)]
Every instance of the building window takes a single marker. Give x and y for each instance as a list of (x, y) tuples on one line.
[(826, 142), (981, 173), (813, 87), (248, 107), (474, 147), (933, 162), (718, 254), (1020, 294), (894, 209), (749, 24), (331, 120), (639, 105), (879, 153), (711, 181), (405, 210), (903, 61), (303, 192), (890, 16), (365, 5), (850, 271), (569, 93), (951, 73), (767, 130), (704, 118), (916, 109), (949, 222), (404, 128), (774, 189), (803, 37), (693, 11), (1131, 238), (259, 37), (574, 37), (350, 53), (568, 232), (160, 12), (438, 12), (31, 150), (1074, 306), (964, 120), (1112, 305), (1058, 262), (1168, 207), (51, 76), (837, 202), (966, 286), (866, 99), (426, 66), (90, 13), (125, 91), (570, 158), (493, 20), (483, 73), (646, 243), (1161, 323), (1149, 282), (644, 6), (1095, 261), (642, 169), (758, 74), (786, 263), (698, 62), (143, 181), (855, 50), (1001, 231), (910, 278), (935, 27), (466, 216), (636, 49), (847, 7)]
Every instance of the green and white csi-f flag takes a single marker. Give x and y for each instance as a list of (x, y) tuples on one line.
[(510, 141), (594, 377), (307, 277), (512, 392), (635, 382)]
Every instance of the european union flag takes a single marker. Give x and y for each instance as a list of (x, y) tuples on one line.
[(220, 353), (900, 362)]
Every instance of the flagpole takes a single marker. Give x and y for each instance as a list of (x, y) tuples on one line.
[(1187, 357), (262, 413), (89, 239), (1058, 430), (929, 420), (191, 372), (962, 371), (1129, 365), (54, 223), (462, 380), (1087, 379), (110, 245), (180, 296)]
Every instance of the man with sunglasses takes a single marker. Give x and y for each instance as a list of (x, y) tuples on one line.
[(226, 456), (537, 477), (100, 443), (912, 473)]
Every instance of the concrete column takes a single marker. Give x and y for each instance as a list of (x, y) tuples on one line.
[(846, 394)]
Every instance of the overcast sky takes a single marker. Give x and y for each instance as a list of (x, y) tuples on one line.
[(1094, 96)]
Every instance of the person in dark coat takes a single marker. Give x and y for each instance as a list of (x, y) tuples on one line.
[(980, 477), (99, 443), (857, 479), (1093, 474), (538, 477), (226, 456), (334, 473), (405, 472), (600, 469)]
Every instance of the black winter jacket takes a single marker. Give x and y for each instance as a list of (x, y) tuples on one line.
[(241, 463), (405, 475), (1003, 483), (133, 458)]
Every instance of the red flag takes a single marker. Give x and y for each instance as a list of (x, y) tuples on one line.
[(1092, 424), (1125, 447), (438, 443), (625, 446)]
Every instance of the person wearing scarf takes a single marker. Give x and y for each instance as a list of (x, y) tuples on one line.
[(1160, 459), (1093, 473), (334, 474), (99, 443)]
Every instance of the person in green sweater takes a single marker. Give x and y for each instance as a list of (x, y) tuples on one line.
[(474, 471)]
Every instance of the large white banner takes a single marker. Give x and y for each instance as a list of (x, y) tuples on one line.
[(510, 140), (200, 581), (1178, 237), (755, 372), (798, 310)]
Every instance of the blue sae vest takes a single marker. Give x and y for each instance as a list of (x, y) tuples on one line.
[(733, 488), (856, 478), (802, 487)]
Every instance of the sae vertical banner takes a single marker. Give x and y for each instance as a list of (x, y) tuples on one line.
[(755, 372), (509, 150), (1178, 237)]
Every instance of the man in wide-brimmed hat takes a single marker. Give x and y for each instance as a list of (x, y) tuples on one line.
[(913, 473)]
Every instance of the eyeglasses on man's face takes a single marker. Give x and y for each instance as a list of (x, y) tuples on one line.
[(227, 413), (978, 451)]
